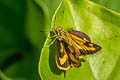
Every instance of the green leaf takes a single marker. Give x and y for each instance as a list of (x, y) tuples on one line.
[(102, 25), (39, 15), (114, 5)]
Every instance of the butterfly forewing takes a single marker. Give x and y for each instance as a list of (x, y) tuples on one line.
[(83, 42), (80, 34), (73, 58), (62, 58)]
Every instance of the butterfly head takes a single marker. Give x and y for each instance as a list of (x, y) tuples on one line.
[(60, 33), (58, 30)]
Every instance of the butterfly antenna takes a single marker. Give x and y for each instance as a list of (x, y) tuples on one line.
[(43, 31)]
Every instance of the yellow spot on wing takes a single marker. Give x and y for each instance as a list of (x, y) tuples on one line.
[(71, 55), (73, 58), (85, 39), (80, 57), (78, 39), (91, 45), (62, 68), (63, 59), (76, 45), (71, 49), (89, 48)]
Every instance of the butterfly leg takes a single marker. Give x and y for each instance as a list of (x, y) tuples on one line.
[(52, 36), (51, 42)]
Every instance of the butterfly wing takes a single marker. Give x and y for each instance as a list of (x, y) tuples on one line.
[(62, 58), (66, 57), (82, 41), (80, 35), (73, 58)]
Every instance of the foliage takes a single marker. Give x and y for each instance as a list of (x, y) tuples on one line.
[(21, 41), (102, 25)]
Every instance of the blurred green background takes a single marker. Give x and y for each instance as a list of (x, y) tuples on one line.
[(20, 37)]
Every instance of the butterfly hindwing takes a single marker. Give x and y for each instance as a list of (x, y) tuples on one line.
[(73, 58)]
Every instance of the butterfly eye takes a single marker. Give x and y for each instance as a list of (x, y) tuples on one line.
[(58, 30)]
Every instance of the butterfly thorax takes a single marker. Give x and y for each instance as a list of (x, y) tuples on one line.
[(62, 35)]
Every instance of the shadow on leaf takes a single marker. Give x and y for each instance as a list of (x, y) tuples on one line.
[(52, 62)]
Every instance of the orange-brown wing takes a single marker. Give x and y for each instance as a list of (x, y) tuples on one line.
[(62, 58), (80, 35), (73, 58), (66, 57), (82, 41)]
